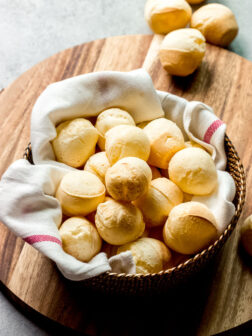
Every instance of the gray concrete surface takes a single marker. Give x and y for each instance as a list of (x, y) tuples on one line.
[(32, 30), (12, 322)]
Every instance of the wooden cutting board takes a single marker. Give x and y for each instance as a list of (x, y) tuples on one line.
[(221, 298)]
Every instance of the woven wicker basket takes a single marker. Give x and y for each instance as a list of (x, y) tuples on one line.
[(164, 280)]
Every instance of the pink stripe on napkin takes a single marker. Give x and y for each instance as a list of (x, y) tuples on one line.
[(211, 129), (41, 238)]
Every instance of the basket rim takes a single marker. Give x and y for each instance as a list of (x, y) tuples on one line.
[(241, 193)]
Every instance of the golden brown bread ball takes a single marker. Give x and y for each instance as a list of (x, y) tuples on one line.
[(187, 197), (75, 142), (79, 193), (125, 140), (178, 258), (128, 179), (91, 216), (80, 238), (182, 51), (98, 165), (194, 2), (194, 171), (192, 143), (119, 223), (165, 139), (246, 235), (142, 124), (150, 255), (164, 16), (190, 228), (155, 172), (158, 201), (164, 173), (110, 118), (216, 22)]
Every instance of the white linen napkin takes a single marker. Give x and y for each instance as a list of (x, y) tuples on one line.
[(27, 205)]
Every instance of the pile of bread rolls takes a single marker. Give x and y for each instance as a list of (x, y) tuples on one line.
[(133, 184), (183, 49)]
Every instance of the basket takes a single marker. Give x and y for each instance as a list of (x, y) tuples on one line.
[(114, 283)]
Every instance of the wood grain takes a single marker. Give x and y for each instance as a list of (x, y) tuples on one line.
[(221, 297)]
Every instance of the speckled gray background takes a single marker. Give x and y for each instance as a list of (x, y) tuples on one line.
[(32, 30)]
